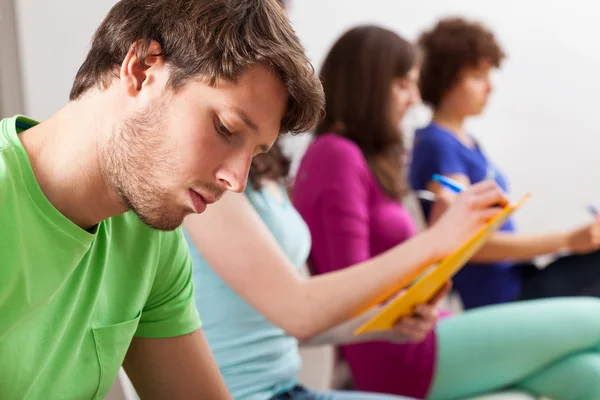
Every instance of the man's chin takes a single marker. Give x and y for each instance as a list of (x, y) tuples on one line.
[(161, 223)]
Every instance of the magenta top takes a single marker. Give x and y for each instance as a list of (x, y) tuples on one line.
[(351, 220)]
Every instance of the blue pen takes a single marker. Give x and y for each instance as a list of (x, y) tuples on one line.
[(448, 183)]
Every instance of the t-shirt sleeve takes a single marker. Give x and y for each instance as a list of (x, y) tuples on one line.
[(170, 310), (434, 155), (343, 208)]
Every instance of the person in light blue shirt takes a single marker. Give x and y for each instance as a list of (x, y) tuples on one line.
[(256, 358)]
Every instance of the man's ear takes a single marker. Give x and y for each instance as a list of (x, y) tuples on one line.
[(139, 67)]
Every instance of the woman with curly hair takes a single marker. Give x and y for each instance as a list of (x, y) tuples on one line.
[(458, 56)]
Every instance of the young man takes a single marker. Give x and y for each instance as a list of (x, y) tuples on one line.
[(172, 102)]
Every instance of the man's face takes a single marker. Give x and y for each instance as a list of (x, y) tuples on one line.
[(181, 151)]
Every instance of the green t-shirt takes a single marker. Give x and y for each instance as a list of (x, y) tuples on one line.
[(70, 300)]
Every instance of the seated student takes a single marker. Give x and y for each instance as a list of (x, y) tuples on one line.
[(93, 270), (458, 58), (255, 305)]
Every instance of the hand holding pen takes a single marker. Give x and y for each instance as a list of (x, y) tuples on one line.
[(465, 214), (447, 183)]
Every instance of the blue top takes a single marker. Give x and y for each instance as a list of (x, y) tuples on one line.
[(257, 359), (438, 151)]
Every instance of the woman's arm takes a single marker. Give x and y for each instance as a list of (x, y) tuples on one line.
[(520, 247), (239, 247), (409, 329)]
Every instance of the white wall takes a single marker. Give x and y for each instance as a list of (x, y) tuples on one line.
[(10, 78), (53, 40), (542, 123)]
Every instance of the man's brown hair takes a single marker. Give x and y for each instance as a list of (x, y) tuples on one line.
[(217, 39), (273, 165), (451, 45)]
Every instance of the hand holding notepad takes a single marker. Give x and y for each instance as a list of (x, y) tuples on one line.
[(433, 280)]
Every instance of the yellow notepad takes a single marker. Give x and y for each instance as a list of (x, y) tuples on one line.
[(432, 281)]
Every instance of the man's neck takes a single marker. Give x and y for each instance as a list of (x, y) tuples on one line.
[(65, 156)]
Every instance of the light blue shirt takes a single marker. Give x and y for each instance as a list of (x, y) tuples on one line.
[(257, 359)]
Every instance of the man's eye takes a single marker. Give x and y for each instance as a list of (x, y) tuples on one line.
[(223, 129)]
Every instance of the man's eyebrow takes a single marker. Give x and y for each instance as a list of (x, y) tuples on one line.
[(246, 119), (264, 148)]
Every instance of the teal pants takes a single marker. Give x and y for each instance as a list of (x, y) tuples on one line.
[(548, 348)]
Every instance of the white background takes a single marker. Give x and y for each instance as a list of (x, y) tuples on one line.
[(541, 126)]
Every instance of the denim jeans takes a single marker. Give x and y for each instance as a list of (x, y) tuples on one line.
[(302, 393)]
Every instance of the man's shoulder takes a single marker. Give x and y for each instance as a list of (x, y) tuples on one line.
[(12, 178), (12, 154), (6, 143)]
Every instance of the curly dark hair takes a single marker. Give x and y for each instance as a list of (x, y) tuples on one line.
[(451, 45)]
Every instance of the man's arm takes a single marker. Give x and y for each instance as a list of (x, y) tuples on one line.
[(180, 367), (169, 357)]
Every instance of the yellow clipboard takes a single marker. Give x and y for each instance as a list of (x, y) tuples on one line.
[(432, 281)]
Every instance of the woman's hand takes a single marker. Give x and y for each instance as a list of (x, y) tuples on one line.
[(465, 214), (416, 328), (585, 239)]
